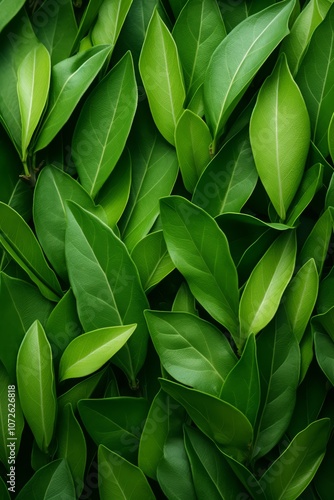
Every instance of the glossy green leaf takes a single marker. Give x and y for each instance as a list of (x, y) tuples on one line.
[(300, 297), (324, 351), (235, 12), (253, 254), (279, 365), (237, 59), (326, 293), (329, 200), (82, 390), (242, 385), (306, 352), (119, 479), (331, 137), (20, 242), (220, 421), (265, 286), (318, 91), (326, 322), (72, 445), (87, 20), (100, 133), (184, 300), (33, 81), (69, 81), (198, 31), (161, 73), (192, 141), (247, 478), (192, 350), (197, 246), (50, 482), (88, 352), (9, 9), (21, 305), (154, 171), (298, 463), (109, 22), (106, 284), (36, 384), (152, 259), (279, 154), (229, 179), (115, 422), (53, 188)]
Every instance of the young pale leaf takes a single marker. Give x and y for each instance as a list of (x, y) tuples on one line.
[(280, 136), (101, 131), (198, 247), (324, 351), (120, 479), (8, 10), (36, 385), (161, 73), (88, 352), (20, 242), (220, 421), (265, 286), (192, 350), (192, 141), (106, 284), (229, 179), (33, 81), (111, 17), (315, 79), (198, 31), (298, 463), (238, 58), (69, 81)]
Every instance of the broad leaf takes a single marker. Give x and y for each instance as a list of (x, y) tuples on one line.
[(109, 22), (192, 350), (324, 351), (36, 385), (88, 352), (9, 9), (238, 58), (279, 154), (100, 133), (161, 73)]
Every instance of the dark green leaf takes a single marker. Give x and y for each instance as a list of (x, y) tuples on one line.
[(324, 351), (8, 10)]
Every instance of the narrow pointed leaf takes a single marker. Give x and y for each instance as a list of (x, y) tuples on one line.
[(111, 17), (331, 137), (184, 300), (247, 478), (324, 350), (81, 390)]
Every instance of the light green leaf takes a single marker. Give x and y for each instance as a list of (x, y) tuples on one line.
[(184, 300), (88, 352), (121, 479), (280, 136), (161, 73), (109, 22), (9, 9), (20, 242), (192, 350), (69, 81), (265, 286), (324, 351), (86, 21), (197, 247), (238, 58), (101, 132), (36, 384)]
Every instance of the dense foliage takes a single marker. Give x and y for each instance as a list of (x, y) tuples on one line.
[(166, 219)]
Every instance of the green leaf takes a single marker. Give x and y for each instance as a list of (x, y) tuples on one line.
[(161, 73), (21, 305), (82, 390), (36, 384), (235, 12), (229, 179), (119, 479), (331, 137), (4, 490), (265, 286), (115, 422), (300, 297), (279, 364), (228, 76), (100, 133), (109, 22), (326, 321), (247, 478), (9, 9), (72, 445), (86, 21), (192, 350), (53, 188), (192, 141), (152, 259), (242, 385), (315, 79), (197, 247), (184, 300), (298, 463), (279, 154), (69, 81), (324, 480), (106, 284), (20, 242), (324, 351), (88, 352), (220, 421), (198, 31), (33, 81), (52, 481)]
